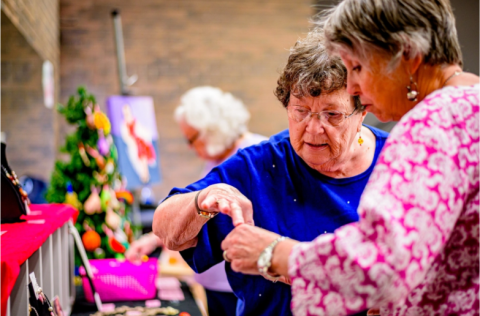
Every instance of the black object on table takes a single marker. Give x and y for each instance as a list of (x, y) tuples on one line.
[(84, 308)]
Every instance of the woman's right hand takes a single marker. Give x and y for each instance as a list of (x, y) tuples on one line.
[(226, 199), (145, 245)]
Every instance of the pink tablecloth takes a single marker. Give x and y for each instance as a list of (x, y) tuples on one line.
[(21, 240)]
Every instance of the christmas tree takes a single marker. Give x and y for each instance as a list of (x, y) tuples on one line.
[(89, 180)]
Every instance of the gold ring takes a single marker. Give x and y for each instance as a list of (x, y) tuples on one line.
[(225, 256)]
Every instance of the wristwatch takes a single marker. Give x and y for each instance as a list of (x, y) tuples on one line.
[(201, 212), (264, 261)]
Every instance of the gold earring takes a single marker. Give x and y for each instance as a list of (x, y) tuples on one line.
[(360, 140), (412, 92)]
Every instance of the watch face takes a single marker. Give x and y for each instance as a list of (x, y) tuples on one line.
[(264, 259)]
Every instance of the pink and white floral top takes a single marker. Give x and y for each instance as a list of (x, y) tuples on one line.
[(415, 250)]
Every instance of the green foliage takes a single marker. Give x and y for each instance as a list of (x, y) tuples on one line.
[(74, 112), (64, 172), (83, 176)]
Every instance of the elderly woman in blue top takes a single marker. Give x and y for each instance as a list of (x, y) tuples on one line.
[(301, 183)]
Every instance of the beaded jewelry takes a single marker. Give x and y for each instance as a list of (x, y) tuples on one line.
[(360, 140), (13, 177), (412, 91), (30, 308), (43, 299)]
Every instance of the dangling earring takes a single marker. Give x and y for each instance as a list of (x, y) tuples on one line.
[(360, 139), (412, 92)]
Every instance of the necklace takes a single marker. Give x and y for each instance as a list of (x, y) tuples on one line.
[(43, 298), (30, 308), (456, 73), (13, 177)]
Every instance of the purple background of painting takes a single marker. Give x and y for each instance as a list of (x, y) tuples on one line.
[(142, 110)]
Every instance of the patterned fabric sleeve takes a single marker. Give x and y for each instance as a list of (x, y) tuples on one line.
[(418, 190)]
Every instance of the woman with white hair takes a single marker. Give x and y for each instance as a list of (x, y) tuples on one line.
[(415, 249), (214, 124)]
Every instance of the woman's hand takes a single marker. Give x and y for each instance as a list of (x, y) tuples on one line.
[(177, 223), (243, 246), (145, 245), (224, 198)]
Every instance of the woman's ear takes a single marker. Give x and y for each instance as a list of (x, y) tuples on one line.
[(359, 127), (364, 113), (412, 63)]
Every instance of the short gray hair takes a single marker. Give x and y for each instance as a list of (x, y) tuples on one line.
[(311, 71), (219, 117), (397, 27)]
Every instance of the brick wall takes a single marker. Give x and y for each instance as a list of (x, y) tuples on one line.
[(38, 22), (239, 46), (29, 35)]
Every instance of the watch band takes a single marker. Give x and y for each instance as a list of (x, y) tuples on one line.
[(267, 254), (203, 213)]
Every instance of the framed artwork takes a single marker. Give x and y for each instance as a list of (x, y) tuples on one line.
[(134, 132)]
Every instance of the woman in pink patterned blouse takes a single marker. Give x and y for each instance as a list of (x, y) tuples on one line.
[(415, 250)]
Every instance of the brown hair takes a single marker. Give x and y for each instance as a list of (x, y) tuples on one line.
[(311, 71)]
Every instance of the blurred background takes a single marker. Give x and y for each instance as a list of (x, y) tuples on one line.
[(172, 46)]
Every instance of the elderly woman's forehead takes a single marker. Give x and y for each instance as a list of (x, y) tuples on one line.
[(339, 97)]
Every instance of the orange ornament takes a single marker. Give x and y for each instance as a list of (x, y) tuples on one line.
[(91, 240)]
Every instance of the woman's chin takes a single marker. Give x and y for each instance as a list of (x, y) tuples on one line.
[(381, 117), (316, 163)]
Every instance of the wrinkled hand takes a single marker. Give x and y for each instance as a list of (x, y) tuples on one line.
[(244, 245), (285, 280), (223, 198), (145, 245)]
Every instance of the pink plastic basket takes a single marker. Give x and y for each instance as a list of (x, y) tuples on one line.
[(121, 280)]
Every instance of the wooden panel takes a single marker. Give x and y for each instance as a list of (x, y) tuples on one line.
[(18, 296), (47, 268), (35, 265), (57, 261)]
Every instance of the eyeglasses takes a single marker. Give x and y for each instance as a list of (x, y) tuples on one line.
[(192, 139), (334, 118)]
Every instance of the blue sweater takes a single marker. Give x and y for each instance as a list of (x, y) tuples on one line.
[(288, 198)]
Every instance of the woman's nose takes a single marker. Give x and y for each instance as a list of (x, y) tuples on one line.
[(315, 124), (352, 86)]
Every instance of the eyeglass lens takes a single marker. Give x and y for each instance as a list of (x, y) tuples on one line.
[(299, 114)]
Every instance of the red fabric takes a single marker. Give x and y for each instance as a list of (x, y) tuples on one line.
[(21, 240)]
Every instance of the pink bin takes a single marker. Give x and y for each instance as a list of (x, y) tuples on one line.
[(121, 280)]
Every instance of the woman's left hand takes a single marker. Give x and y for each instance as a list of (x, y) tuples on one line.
[(243, 246)]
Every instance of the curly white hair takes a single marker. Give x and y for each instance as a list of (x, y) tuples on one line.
[(219, 117)]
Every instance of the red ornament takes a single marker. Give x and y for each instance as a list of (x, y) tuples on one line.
[(115, 245)]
